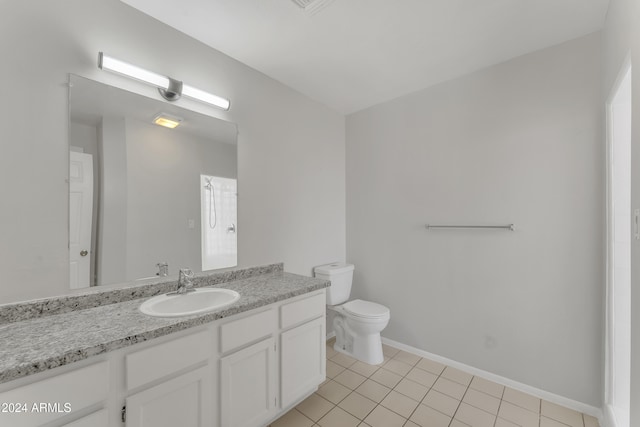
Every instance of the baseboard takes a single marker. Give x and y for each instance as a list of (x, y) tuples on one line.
[(550, 397), (609, 419), (330, 335)]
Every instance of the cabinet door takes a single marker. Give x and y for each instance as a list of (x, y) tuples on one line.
[(184, 401), (247, 385), (302, 360), (96, 419)]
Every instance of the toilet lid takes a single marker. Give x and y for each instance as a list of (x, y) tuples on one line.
[(365, 309)]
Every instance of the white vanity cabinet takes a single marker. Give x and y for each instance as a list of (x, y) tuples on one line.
[(248, 369), (248, 385), (96, 419), (58, 399), (240, 371), (302, 348), (271, 360), (183, 401), (161, 398)]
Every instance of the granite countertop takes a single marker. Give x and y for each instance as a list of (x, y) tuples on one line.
[(45, 342)]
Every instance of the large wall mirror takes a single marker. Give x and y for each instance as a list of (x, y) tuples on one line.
[(146, 200)]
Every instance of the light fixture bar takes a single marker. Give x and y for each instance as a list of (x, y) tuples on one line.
[(108, 63), (169, 88), (207, 97)]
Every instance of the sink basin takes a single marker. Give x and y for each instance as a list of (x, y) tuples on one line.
[(201, 300)]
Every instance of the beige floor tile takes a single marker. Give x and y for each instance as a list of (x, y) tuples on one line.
[(389, 351), (521, 399), (429, 417), (411, 424), (562, 414), (430, 366), (590, 421), (411, 389), (382, 417), (408, 358), (450, 388), (474, 417), (338, 418), (486, 386), (456, 423), (441, 402), (333, 369), (457, 375), (357, 405), (399, 403), (293, 418), (501, 422), (334, 392), (363, 369), (482, 401), (363, 425), (386, 378), (350, 379), (373, 390), (516, 414), (397, 367), (314, 407), (423, 377), (548, 422), (343, 360)]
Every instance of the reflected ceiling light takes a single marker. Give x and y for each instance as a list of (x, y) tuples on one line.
[(167, 120), (169, 88)]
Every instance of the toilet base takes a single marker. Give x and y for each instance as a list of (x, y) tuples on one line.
[(367, 349)]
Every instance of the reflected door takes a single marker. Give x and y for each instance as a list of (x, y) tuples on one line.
[(80, 202)]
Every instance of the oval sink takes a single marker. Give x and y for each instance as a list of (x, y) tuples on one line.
[(201, 300)]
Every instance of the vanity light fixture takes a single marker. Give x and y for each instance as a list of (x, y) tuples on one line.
[(167, 120), (169, 88)]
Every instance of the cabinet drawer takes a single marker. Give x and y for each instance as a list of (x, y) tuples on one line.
[(165, 359), (302, 310), (97, 419), (249, 329), (61, 395)]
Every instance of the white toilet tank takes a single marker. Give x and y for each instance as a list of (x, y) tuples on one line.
[(341, 276)]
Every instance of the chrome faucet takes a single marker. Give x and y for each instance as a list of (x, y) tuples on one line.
[(185, 281)]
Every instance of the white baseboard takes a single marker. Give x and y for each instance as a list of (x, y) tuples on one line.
[(550, 397), (609, 418), (331, 335)]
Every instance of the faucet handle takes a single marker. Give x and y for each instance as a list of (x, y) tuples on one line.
[(186, 273)]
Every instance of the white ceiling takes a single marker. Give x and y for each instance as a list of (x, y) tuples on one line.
[(357, 53)]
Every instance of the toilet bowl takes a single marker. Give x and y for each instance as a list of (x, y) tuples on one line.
[(357, 324)]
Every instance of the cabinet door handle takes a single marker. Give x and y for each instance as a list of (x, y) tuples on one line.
[(84, 253)]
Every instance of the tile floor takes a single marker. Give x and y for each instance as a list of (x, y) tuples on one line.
[(407, 390)]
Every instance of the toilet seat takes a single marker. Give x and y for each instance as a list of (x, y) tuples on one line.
[(366, 309)]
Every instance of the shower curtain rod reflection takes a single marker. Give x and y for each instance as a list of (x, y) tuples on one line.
[(509, 227)]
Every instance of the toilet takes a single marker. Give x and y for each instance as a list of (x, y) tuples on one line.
[(357, 323)]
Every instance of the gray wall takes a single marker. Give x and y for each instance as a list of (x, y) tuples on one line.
[(291, 150), (621, 37), (518, 142)]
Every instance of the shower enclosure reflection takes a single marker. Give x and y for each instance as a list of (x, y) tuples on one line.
[(138, 195)]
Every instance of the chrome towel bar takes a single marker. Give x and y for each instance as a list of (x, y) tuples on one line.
[(509, 227)]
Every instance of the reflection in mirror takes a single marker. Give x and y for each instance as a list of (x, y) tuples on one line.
[(146, 200)]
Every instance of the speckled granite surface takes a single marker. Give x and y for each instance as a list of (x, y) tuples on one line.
[(97, 296), (42, 343)]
